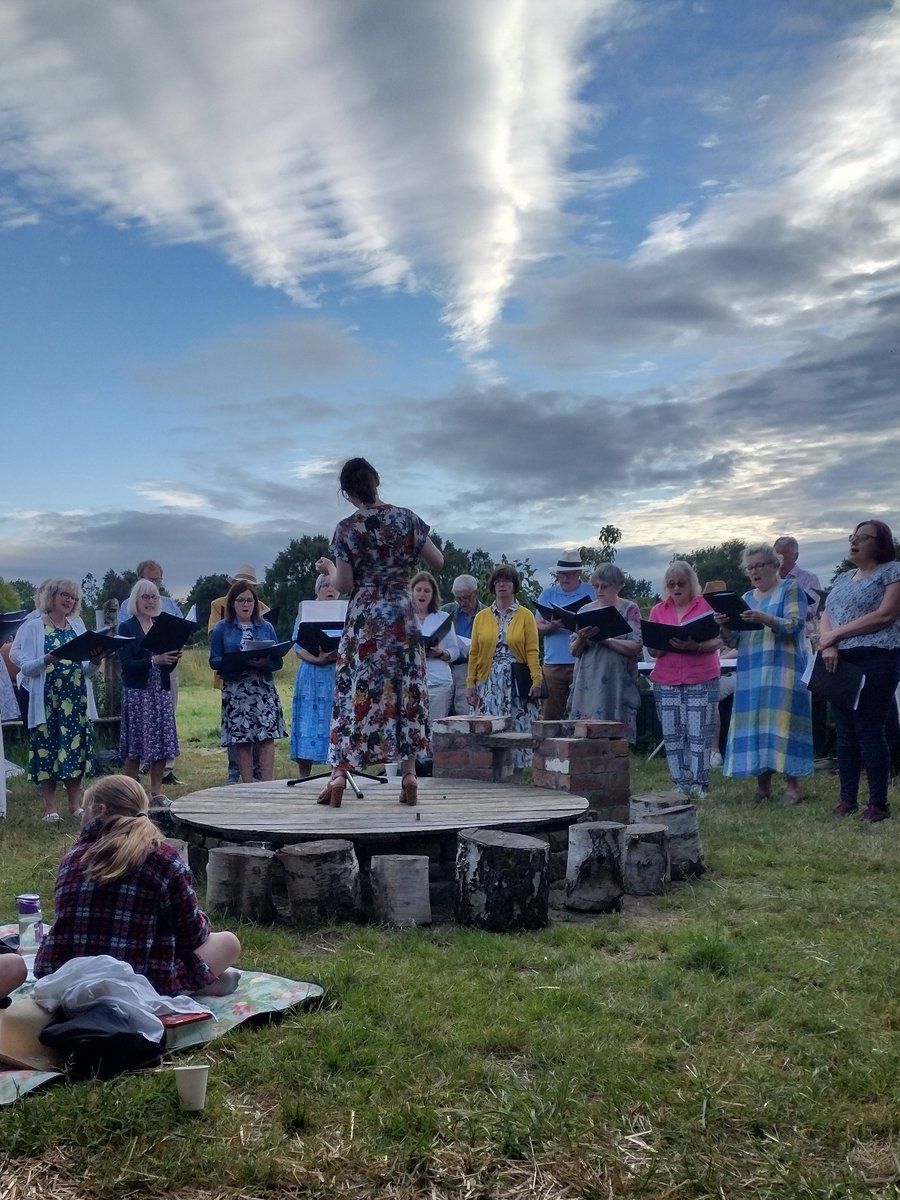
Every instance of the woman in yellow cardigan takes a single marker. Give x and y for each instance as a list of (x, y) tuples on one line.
[(504, 677)]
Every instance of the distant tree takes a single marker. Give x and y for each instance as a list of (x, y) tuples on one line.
[(457, 561), (10, 601), (530, 588), (90, 591), (722, 561), (292, 578), (639, 590), (25, 590), (115, 586), (206, 589)]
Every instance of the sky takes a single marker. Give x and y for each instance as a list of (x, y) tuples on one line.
[(549, 266)]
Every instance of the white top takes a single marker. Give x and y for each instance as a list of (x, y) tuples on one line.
[(28, 654)]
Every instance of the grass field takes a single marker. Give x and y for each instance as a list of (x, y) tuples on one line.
[(736, 1037)]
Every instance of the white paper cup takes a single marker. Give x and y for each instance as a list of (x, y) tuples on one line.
[(191, 1084), (392, 770)]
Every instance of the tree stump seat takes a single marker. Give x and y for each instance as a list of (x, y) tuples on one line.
[(502, 880), (239, 880), (322, 879), (400, 889), (594, 880)]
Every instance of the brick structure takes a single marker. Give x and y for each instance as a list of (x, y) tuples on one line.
[(589, 758)]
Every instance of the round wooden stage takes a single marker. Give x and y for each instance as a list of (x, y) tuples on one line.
[(279, 815)]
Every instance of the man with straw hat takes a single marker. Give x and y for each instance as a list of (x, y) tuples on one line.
[(559, 664)]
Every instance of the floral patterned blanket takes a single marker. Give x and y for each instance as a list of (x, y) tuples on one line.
[(257, 994)]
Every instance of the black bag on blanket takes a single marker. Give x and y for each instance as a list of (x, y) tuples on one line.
[(101, 1041)]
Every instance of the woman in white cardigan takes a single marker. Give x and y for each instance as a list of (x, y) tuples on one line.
[(60, 697)]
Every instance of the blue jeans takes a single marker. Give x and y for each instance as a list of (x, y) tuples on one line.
[(862, 735)]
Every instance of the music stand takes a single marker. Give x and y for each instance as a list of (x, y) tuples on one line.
[(354, 786)]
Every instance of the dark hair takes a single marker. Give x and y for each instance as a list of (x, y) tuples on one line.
[(504, 571), (884, 540), (426, 577), (237, 589), (359, 480)]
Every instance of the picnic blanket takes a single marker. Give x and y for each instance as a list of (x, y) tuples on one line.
[(257, 994)]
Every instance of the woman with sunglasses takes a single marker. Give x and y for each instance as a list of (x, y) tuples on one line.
[(861, 624)]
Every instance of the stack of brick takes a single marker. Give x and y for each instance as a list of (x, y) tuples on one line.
[(461, 750), (589, 758)]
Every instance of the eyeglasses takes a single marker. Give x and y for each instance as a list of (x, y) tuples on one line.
[(751, 567), (860, 537), (67, 595)]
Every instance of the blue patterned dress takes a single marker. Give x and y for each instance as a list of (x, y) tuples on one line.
[(380, 709), (771, 722), (311, 709)]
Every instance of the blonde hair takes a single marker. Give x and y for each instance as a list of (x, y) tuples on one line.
[(143, 587), (50, 589), (679, 567), (128, 835)]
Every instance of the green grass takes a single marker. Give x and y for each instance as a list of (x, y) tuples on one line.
[(736, 1037)]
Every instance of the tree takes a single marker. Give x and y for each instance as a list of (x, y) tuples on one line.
[(206, 589), (722, 561), (292, 578), (10, 600), (90, 591), (639, 590), (25, 590), (457, 561), (115, 586)]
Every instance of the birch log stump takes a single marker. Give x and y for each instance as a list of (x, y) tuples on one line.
[(645, 860), (645, 806), (239, 880), (685, 847), (502, 880), (594, 880), (400, 893), (322, 879)]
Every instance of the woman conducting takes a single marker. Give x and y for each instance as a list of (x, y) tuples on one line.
[(313, 696), (122, 891), (505, 637), (60, 698), (686, 683), (381, 698), (771, 722), (605, 684), (251, 708), (147, 729), (861, 624)]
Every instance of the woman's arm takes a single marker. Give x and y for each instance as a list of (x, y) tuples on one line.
[(885, 614), (433, 557), (27, 650)]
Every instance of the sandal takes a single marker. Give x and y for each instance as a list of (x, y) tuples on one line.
[(333, 791), (789, 798), (409, 789)]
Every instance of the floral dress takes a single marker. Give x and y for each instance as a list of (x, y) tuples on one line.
[(251, 707), (498, 696), (380, 711), (63, 747)]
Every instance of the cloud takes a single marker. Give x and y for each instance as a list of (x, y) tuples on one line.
[(307, 142)]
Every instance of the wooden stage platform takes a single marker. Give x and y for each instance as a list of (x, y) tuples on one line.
[(280, 815)]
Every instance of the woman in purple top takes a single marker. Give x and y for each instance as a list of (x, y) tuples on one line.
[(861, 624)]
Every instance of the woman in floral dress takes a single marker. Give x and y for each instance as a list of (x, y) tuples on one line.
[(380, 709), (505, 637), (60, 699)]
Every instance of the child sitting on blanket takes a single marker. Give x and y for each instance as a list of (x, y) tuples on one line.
[(121, 890)]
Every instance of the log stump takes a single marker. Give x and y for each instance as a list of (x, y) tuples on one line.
[(239, 880), (322, 879), (645, 806), (645, 860), (685, 847), (400, 889), (502, 880), (594, 880)]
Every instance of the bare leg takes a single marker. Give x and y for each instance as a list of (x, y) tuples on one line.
[(304, 767), (266, 759), (219, 951), (157, 770), (132, 768), (244, 755), (74, 793), (764, 784), (792, 793), (13, 973), (47, 788), (409, 784)]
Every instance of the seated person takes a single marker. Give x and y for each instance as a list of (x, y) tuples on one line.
[(121, 890)]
